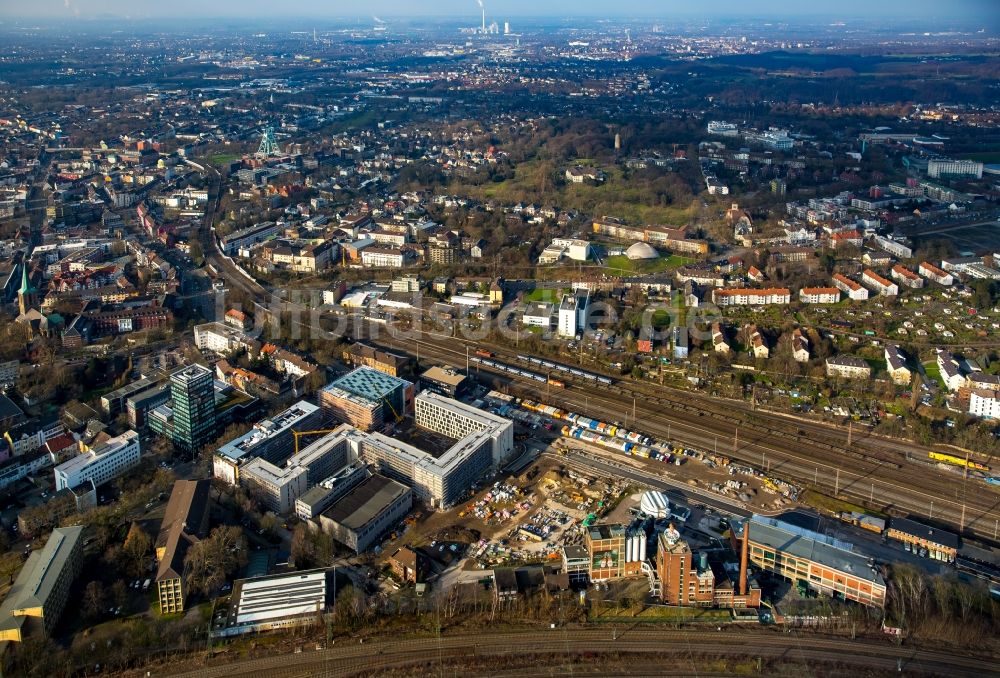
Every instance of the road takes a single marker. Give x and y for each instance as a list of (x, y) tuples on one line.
[(686, 651)]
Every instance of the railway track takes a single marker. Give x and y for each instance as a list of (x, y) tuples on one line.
[(883, 479), (683, 650)]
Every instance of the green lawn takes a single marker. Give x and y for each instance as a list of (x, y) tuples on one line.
[(546, 294), (224, 158), (933, 371), (622, 265)]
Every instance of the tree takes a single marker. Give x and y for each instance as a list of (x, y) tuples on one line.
[(93, 600), (10, 565), (210, 561), (304, 552), (136, 551)]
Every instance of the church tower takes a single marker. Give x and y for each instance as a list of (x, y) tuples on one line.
[(27, 296)]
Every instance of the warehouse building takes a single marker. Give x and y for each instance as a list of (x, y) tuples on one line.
[(367, 512), (817, 561), (275, 602)]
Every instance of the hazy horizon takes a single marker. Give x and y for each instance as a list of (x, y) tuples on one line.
[(986, 12)]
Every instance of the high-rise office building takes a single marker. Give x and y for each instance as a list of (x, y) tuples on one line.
[(189, 419)]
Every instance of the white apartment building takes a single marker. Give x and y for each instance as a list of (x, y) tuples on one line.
[(819, 295), (847, 367), (752, 297), (237, 240), (101, 463), (573, 312), (947, 167), (852, 289), (219, 338), (906, 277), (932, 272), (382, 257), (984, 404), (874, 281)]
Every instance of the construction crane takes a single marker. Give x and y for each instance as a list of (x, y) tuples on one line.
[(296, 435), (394, 412)]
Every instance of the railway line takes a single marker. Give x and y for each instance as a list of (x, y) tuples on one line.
[(684, 650), (819, 459)]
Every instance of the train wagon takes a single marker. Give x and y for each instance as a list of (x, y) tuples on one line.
[(957, 461)]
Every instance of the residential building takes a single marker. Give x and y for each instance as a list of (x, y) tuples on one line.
[(906, 277), (852, 289), (719, 343), (894, 247), (756, 344), (751, 297), (951, 372), (674, 239), (824, 564), (932, 272), (574, 312), (848, 367), (384, 257), (359, 354), (247, 237), (39, 595), (800, 346), (874, 281), (366, 513), (819, 295), (221, 338), (895, 362), (408, 564), (101, 463), (938, 168), (984, 404)]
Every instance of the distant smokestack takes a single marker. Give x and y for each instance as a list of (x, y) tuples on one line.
[(745, 557), (484, 19)]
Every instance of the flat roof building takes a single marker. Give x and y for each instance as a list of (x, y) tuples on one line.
[(359, 398), (101, 463), (823, 563), (274, 602), (270, 439), (445, 381), (275, 487), (367, 512), (457, 420)]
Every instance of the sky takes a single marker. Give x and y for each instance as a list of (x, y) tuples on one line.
[(964, 10)]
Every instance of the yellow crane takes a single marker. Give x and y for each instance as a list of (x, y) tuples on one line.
[(296, 434)]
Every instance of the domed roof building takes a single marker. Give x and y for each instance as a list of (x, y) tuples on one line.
[(641, 251)]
